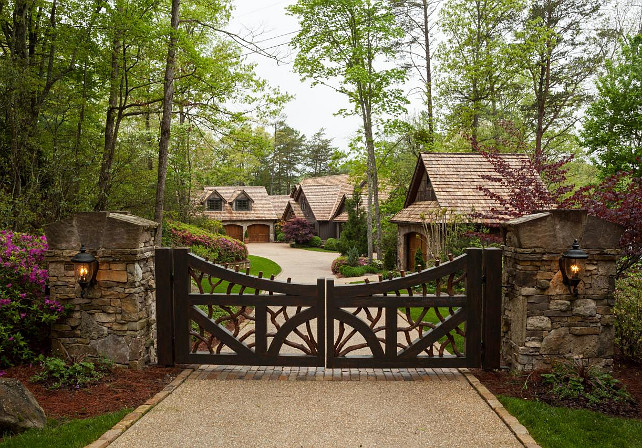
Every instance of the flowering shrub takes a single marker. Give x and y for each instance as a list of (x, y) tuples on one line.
[(222, 248), (25, 311), (298, 230), (339, 262)]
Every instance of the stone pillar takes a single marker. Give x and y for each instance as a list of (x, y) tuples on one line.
[(542, 321), (116, 318)]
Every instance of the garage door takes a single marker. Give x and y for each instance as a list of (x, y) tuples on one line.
[(234, 231), (258, 233)]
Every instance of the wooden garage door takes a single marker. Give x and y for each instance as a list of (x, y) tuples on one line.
[(234, 231), (415, 241), (258, 233)]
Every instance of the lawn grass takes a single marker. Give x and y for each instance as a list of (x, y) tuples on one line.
[(431, 316), (257, 264), (554, 427), (69, 434), (318, 249)]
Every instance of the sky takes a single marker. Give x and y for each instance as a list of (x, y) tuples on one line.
[(312, 108)]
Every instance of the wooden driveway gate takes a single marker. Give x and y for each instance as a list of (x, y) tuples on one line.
[(446, 316)]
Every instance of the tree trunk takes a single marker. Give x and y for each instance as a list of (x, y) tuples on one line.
[(104, 179), (166, 121), (431, 123)]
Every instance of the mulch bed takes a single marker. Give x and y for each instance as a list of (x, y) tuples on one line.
[(122, 388), (531, 386)]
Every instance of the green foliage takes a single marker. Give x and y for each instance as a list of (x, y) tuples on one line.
[(330, 244), (554, 427), (315, 241), (613, 126), (67, 434), (56, 373), (280, 237), (420, 261), (358, 271), (576, 379), (205, 223), (628, 314), (390, 258), (354, 231), (352, 257)]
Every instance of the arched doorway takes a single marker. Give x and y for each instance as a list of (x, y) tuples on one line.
[(234, 231), (414, 241)]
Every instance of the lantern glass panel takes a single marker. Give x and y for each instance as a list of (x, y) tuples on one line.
[(574, 268)]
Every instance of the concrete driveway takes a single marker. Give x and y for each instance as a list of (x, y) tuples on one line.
[(302, 266)]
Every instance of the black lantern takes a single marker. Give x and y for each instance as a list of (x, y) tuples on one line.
[(85, 268), (572, 265)]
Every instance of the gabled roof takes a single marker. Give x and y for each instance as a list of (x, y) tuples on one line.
[(262, 208), (279, 202), (455, 179), (324, 194), (292, 206)]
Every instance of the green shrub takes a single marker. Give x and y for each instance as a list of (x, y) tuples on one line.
[(420, 261), (225, 248), (56, 373), (390, 258), (337, 263), (204, 252), (330, 244), (211, 225), (352, 271), (628, 314), (352, 257), (575, 379), (280, 237), (315, 241)]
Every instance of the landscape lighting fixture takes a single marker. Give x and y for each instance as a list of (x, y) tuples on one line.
[(571, 266), (85, 268)]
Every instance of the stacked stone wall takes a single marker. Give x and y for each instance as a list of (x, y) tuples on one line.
[(117, 317), (542, 321)]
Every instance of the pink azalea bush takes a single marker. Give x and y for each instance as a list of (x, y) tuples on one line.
[(220, 248), (25, 311)]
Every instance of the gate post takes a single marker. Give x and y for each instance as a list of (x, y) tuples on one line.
[(164, 306), (491, 330), (474, 304)]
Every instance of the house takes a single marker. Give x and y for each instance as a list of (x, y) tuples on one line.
[(445, 189), (247, 213), (279, 203), (320, 200)]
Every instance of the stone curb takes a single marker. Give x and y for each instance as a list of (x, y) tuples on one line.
[(513, 424), (131, 418)]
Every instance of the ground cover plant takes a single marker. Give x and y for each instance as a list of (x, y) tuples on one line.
[(555, 427), (25, 311), (215, 247), (65, 434), (57, 373)]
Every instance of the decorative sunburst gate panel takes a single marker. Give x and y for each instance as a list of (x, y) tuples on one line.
[(447, 316)]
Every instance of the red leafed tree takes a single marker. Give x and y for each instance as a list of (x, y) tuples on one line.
[(298, 230), (618, 199)]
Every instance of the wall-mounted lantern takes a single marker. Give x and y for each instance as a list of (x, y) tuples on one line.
[(85, 268), (572, 265)]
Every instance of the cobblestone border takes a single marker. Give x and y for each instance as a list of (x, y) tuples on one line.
[(513, 424), (131, 418)]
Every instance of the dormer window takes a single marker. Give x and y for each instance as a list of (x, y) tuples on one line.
[(214, 205), (242, 205)]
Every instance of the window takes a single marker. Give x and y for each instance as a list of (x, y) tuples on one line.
[(214, 205), (243, 205), (303, 204)]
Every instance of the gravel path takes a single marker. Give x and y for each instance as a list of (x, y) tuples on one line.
[(247, 413), (302, 266)]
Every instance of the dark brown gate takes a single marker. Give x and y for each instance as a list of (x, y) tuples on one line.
[(208, 314), (447, 316)]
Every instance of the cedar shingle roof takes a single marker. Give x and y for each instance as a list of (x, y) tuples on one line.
[(323, 199), (279, 202), (262, 208), (455, 179), (294, 207)]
